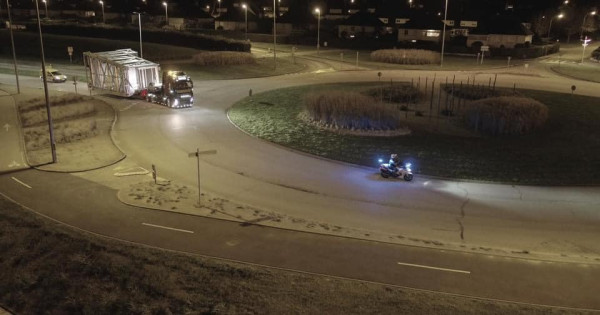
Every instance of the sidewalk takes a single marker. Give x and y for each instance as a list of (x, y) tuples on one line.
[(12, 157)]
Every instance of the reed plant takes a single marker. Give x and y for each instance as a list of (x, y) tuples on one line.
[(406, 56), (224, 58), (506, 115), (350, 110)]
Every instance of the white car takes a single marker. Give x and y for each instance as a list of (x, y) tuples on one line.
[(53, 75)]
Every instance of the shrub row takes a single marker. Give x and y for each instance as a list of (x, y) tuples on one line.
[(350, 110), (506, 115), (224, 58), (177, 38), (477, 92), (40, 102), (406, 56), (400, 93), (64, 132)]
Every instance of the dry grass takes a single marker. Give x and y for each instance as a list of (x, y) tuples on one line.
[(39, 116), (350, 110), (224, 58), (40, 102), (406, 56), (506, 115), (399, 93), (64, 132), (477, 92)]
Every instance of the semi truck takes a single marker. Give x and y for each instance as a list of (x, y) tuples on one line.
[(121, 72), (175, 90)]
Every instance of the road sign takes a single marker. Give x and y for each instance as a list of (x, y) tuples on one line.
[(70, 50), (485, 48), (197, 155)]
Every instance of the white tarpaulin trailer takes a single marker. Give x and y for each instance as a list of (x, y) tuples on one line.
[(120, 72)]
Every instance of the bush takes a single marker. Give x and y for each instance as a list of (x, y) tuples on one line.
[(403, 93), (506, 115), (406, 56), (223, 58), (350, 110), (477, 92)]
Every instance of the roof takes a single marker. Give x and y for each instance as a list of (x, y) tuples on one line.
[(504, 25), (424, 22), (122, 57), (362, 18)]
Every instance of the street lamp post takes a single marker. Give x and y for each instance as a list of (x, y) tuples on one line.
[(246, 18), (583, 24), (444, 34), (46, 6), (318, 29), (102, 4), (166, 11), (12, 42), (550, 26), (140, 28), (275, 33), (50, 126)]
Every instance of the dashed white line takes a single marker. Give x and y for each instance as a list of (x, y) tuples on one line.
[(434, 268), (167, 228), (20, 182)]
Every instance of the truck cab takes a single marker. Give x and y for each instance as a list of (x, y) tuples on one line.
[(176, 90)]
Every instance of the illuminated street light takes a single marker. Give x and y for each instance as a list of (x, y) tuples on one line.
[(444, 34), (46, 5), (44, 76), (246, 18), (167, 11), (318, 28), (560, 16), (140, 28), (583, 24), (102, 4)]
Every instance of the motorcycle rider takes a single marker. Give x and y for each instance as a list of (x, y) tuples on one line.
[(394, 163)]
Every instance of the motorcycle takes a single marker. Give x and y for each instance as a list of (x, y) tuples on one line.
[(404, 171)]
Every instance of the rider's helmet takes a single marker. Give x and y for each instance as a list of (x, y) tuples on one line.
[(394, 158)]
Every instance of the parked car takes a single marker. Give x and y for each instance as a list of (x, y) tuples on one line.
[(53, 75)]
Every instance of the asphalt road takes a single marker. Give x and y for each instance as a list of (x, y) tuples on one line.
[(253, 172), (92, 207)]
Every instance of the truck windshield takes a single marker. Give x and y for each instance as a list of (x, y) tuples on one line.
[(181, 85)]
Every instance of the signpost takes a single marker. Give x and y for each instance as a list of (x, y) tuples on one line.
[(586, 42), (70, 51), (483, 50), (197, 155)]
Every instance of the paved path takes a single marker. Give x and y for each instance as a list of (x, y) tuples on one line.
[(12, 157)]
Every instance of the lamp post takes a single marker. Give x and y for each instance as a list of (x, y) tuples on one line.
[(46, 6), (50, 126), (246, 18), (140, 28), (102, 4), (318, 29), (444, 34), (550, 26), (12, 42), (166, 11), (583, 24), (275, 33)]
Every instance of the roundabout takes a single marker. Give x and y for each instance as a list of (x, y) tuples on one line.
[(500, 234)]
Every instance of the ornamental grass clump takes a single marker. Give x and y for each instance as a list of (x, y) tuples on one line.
[(406, 56), (350, 110), (224, 58), (506, 115), (477, 92), (400, 93)]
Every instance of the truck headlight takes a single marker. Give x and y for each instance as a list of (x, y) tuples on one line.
[(175, 102)]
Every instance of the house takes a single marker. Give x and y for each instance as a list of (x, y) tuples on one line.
[(500, 32), (421, 28), (235, 19), (360, 24)]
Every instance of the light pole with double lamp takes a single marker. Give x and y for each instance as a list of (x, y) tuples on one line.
[(444, 34), (166, 11), (46, 7), (318, 29), (140, 28), (12, 42)]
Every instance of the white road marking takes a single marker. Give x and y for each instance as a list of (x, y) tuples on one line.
[(6, 126), (20, 182), (13, 164), (434, 268), (167, 228)]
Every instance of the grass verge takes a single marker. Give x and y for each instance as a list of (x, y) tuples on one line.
[(263, 67), (47, 268), (577, 71), (565, 151)]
